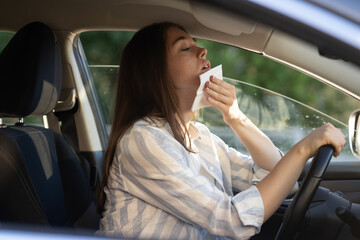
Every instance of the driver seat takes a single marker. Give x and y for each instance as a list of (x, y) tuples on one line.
[(41, 179)]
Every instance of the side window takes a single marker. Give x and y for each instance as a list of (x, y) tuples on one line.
[(5, 38), (103, 50), (282, 102)]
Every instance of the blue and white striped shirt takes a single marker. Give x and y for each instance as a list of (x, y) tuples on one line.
[(158, 190)]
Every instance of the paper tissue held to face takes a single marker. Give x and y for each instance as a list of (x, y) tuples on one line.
[(200, 100)]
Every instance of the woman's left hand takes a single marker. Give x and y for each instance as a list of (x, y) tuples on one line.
[(222, 96)]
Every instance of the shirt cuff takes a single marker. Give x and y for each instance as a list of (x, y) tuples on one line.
[(250, 207)]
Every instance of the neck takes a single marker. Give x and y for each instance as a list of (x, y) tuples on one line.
[(187, 117), (186, 101)]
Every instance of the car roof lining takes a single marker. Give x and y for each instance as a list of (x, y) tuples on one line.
[(134, 14), (306, 58), (219, 20)]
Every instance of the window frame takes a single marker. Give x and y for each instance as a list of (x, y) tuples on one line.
[(88, 83)]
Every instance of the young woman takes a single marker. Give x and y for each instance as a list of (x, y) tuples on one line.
[(167, 177)]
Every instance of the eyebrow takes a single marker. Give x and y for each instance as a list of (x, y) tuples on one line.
[(182, 38)]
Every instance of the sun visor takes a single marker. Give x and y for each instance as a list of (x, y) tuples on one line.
[(216, 19)]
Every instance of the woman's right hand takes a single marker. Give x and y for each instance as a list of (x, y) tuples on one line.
[(327, 134), (278, 183)]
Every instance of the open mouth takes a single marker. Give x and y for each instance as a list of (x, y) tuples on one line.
[(206, 66)]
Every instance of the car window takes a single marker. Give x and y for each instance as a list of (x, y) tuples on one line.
[(102, 50), (5, 38), (282, 102), (284, 120)]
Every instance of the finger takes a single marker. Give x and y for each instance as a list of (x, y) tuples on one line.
[(342, 139), (339, 141), (333, 136), (339, 129), (221, 83), (217, 88), (221, 106), (219, 97), (338, 149)]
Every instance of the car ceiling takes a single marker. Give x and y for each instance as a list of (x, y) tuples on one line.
[(80, 15), (199, 19)]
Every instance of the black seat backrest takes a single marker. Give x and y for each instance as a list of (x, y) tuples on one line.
[(41, 179)]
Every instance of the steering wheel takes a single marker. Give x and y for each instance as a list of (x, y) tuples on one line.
[(298, 207)]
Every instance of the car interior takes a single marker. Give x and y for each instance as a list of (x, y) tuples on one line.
[(50, 174), (47, 183)]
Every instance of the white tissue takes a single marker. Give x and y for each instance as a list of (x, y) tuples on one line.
[(200, 99)]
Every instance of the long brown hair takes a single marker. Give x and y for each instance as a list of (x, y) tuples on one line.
[(144, 88)]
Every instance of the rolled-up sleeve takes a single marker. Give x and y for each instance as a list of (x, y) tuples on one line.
[(250, 206), (154, 170)]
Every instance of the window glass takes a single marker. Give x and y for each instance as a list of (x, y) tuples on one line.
[(260, 71), (284, 120), (33, 120), (283, 102), (103, 50), (5, 38)]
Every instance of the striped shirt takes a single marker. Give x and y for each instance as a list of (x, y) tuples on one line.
[(158, 190)]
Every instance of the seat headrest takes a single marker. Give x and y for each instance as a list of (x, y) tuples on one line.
[(30, 72)]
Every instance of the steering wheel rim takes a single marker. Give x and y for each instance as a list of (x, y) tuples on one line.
[(298, 207)]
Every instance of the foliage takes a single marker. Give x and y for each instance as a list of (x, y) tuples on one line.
[(105, 48), (258, 70), (4, 39)]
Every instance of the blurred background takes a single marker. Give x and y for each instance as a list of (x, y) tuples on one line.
[(284, 103), (104, 49)]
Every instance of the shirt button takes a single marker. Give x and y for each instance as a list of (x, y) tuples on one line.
[(211, 168)]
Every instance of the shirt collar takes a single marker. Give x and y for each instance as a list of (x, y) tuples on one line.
[(193, 131)]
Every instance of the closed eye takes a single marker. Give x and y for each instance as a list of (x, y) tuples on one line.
[(186, 49)]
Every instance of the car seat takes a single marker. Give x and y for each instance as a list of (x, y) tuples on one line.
[(41, 179)]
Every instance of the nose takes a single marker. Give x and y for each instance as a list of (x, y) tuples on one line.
[(202, 52)]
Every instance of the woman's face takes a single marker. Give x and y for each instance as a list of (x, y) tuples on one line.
[(186, 61)]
